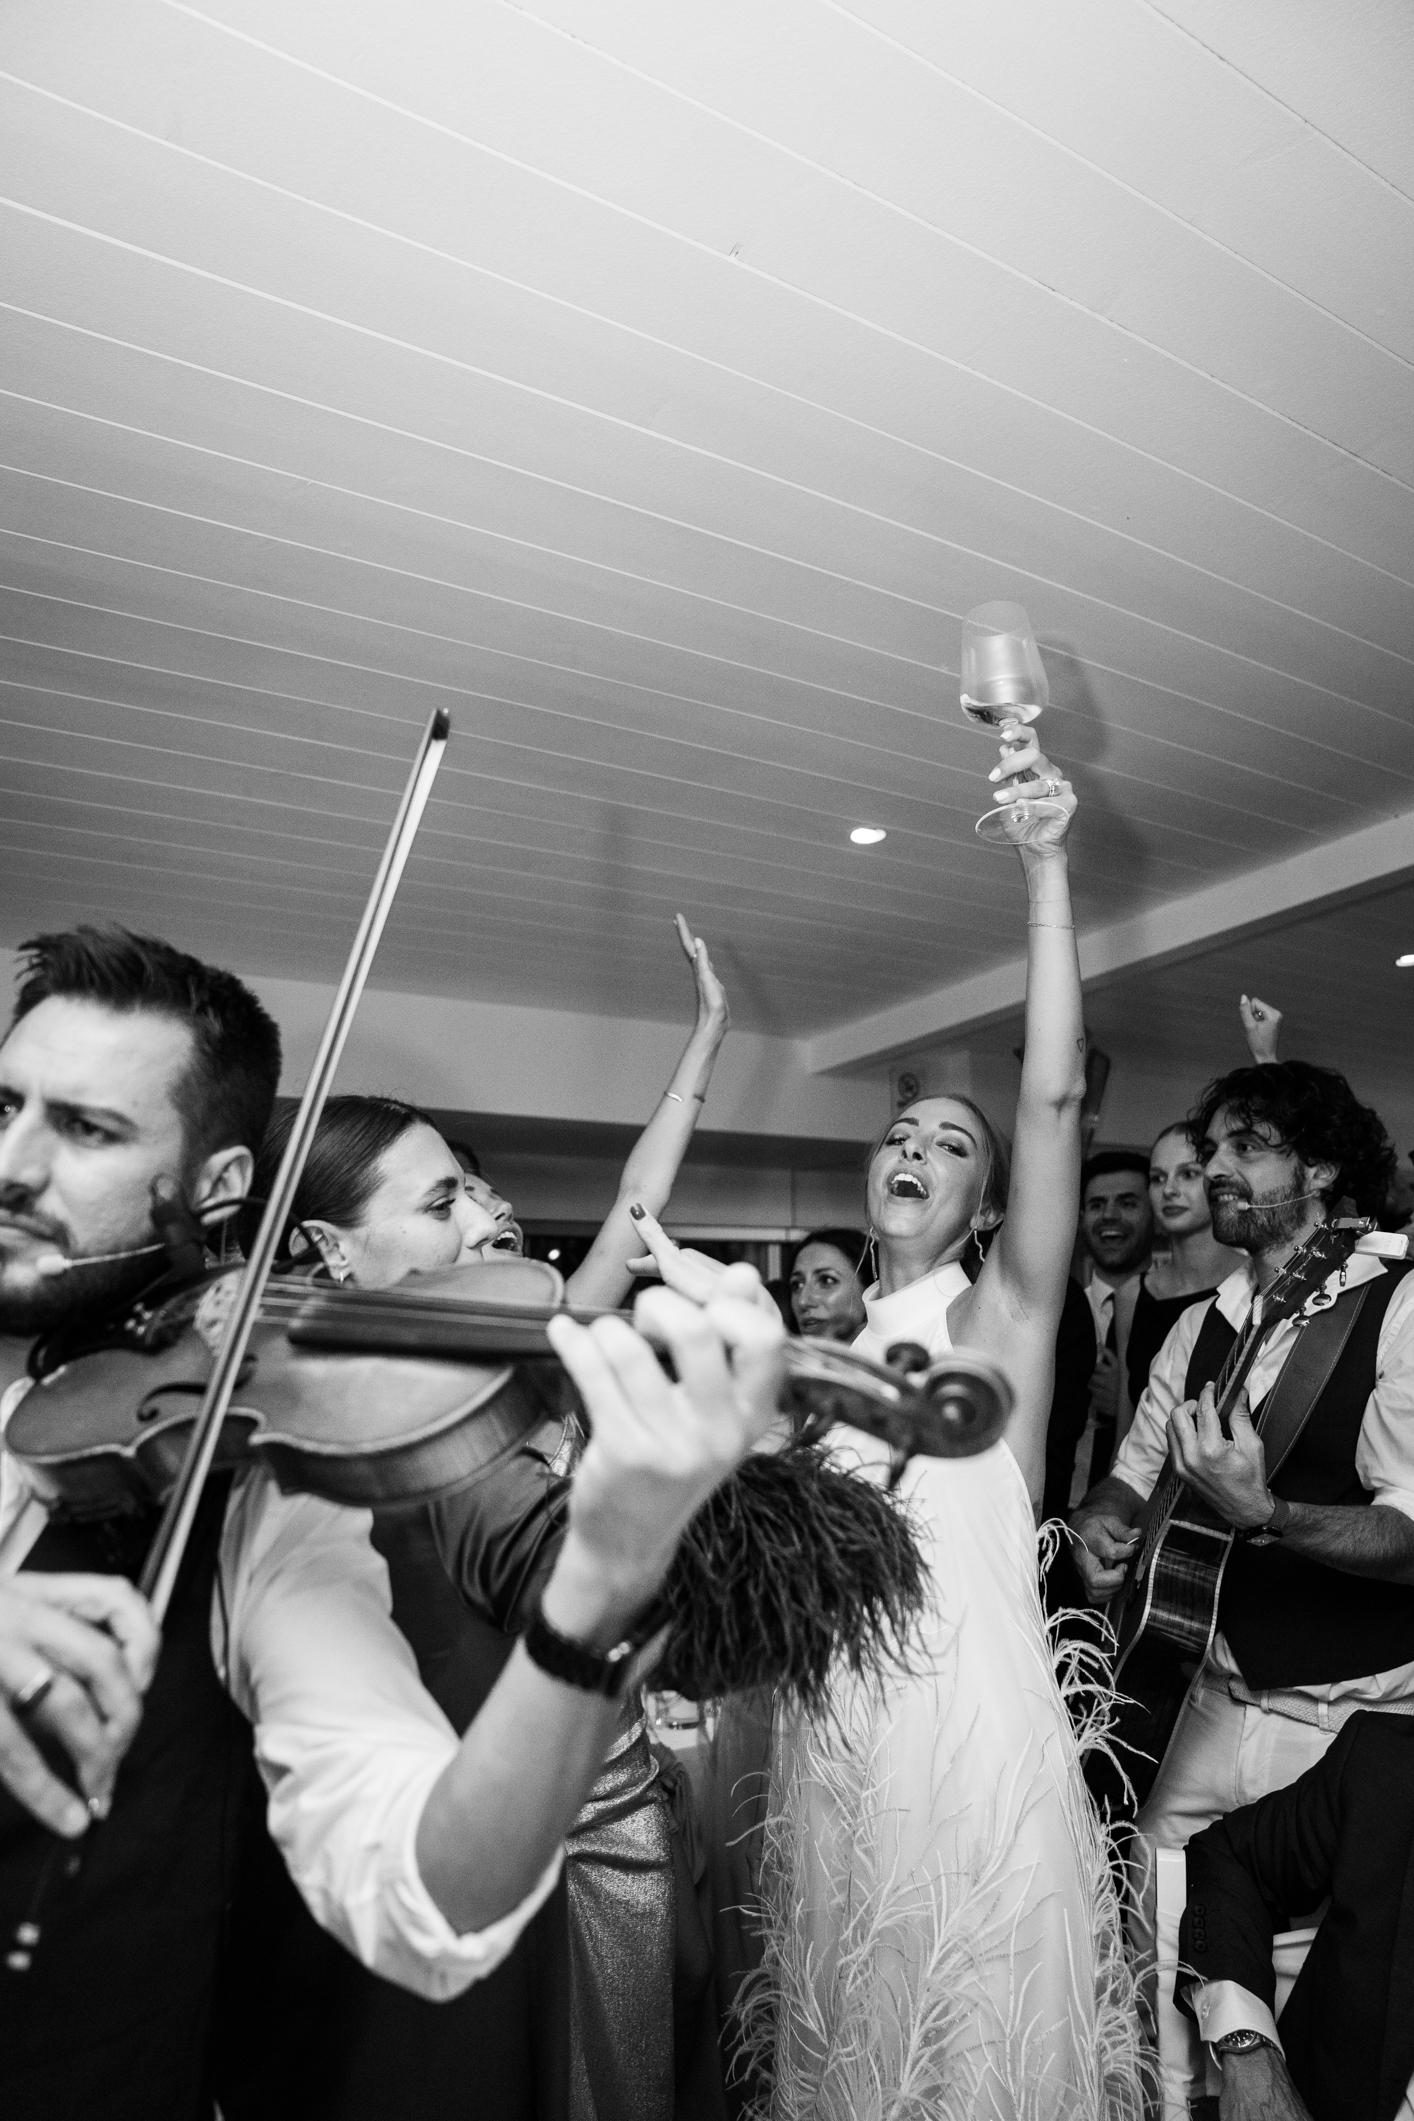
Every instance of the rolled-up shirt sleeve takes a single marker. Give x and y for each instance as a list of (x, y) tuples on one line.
[(1384, 1456), (348, 1740)]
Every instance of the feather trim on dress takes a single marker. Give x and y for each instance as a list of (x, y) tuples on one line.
[(898, 1989)]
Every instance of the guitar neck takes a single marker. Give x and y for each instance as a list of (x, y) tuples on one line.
[(1226, 1386)]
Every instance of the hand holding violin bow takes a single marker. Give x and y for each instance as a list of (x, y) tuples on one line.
[(76, 1656)]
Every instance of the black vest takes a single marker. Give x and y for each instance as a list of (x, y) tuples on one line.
[(1289, 1621), (111, 2022)]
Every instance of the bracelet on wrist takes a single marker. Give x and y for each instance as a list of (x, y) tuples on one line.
[(694, 1097), (575, 1663), (1032, 922)]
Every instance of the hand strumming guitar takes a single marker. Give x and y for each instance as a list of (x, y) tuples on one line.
[(1103, 1538)]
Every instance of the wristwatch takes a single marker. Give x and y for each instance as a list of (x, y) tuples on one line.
[(574, 1663), (1265, 1535), (1244, 2042)]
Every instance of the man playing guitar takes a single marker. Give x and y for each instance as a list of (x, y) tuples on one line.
[(1314, 1616)]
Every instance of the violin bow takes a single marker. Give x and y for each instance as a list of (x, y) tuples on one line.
[(164, 1560)]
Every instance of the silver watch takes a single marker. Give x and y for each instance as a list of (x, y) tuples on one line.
[(1241, 2043)]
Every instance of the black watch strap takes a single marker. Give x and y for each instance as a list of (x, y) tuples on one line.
[(574, 1663), (1264, 1535)]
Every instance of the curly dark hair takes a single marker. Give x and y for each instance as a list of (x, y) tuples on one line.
[(1317, 1115)]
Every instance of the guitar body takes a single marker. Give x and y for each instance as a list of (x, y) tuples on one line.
[(1164, 1622), (1176, 1598)]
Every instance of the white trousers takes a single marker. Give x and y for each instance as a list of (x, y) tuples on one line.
[(1224, 1753)]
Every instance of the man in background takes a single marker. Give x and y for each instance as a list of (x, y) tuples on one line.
[(1116, 1232)]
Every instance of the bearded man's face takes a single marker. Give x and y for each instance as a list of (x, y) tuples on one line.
[(1257, 1186), (88, 1121)]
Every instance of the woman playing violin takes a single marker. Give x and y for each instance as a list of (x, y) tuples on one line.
[(383, 1196)]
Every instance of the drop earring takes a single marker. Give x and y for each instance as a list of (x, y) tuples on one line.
[(981, 1252), (871, 1253)]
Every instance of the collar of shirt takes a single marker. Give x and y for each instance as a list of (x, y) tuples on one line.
[(1101, 1296)]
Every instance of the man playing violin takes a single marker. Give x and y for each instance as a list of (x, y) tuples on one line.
[(132, 1073)]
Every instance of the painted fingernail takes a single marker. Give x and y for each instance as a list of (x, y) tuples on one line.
[(635, 1211), (100, 1807)]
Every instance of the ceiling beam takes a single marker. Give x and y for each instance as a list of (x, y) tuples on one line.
[(1285, 891)]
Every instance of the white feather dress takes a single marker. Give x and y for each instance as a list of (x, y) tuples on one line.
[(942, 1930)]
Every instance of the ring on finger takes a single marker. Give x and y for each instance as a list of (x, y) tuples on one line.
[(34, 1689), (1053, 788)]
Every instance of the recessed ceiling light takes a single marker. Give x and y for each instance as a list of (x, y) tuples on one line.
[(1406, 961), (870, 836)]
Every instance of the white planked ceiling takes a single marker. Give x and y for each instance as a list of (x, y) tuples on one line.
[(656, 387)]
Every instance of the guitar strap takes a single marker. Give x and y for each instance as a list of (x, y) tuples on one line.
[(1304, 1376)]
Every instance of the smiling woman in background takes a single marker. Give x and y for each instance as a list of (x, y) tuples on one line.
[(1196, 1264)]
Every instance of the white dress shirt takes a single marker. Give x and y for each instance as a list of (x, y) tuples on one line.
[(347, 1738), (1384, 1454)]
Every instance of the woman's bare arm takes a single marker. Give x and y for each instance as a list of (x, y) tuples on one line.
[(652, 1167), (1014, 1308)]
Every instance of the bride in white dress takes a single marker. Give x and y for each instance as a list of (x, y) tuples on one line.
[(943, 1936), (942, 1933)]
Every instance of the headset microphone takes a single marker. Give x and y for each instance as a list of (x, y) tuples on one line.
[(1252, 1207), (181, 1237), (51, 1264)]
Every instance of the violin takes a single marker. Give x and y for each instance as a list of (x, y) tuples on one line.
[(379, 1398), (366, 1397)]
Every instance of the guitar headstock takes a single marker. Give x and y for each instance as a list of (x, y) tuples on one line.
[(1329, 1246)]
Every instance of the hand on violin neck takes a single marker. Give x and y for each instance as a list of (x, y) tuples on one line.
[(657, 1449)]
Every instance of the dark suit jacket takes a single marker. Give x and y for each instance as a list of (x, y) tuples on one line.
[(1345, 1828), (1076, 1355)]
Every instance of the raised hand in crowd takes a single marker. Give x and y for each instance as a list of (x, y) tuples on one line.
[(604, 1277), (1261, 1024)]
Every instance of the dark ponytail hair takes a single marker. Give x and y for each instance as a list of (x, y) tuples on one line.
[(340, 1175)]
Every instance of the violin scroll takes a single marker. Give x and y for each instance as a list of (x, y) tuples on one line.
[(952, 1408)]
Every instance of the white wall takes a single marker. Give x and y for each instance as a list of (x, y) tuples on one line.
[(558, 1064), (567, 1191), (552, 1064)]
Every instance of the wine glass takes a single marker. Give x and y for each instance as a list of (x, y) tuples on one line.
[(1004, 687)]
